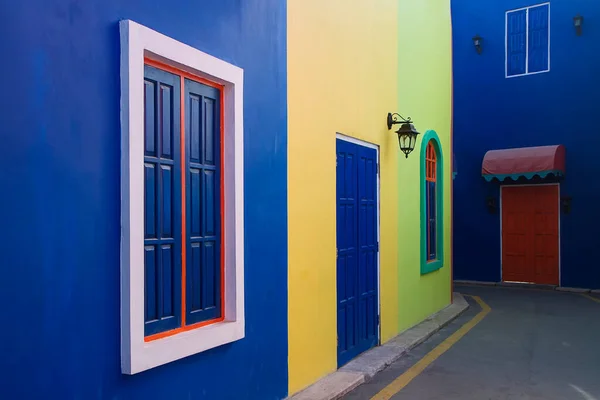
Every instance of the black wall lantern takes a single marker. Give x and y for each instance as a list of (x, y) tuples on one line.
[(578, 23), (478, 43), (407, 134), (491, 204), (565, 202)]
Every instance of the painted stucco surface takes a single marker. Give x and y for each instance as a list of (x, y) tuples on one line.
[(551, 108), (342, 75), (60, 208), (424, 93), (346, 64)]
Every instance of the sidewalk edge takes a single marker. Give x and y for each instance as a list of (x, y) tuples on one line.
[(365, 366)]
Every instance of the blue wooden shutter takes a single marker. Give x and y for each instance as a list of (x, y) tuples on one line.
[(538, 38), (203, 273), (162, 201), (516, 42)]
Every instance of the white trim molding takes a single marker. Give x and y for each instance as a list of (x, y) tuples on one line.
[(506, 75), (137, 355)]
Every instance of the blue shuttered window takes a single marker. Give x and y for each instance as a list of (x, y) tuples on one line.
[(538, 38), (432, 221), (431, 200), (162, 201), (164, 225), (432, 203), (516, 42), (528, 40), (203, 291)]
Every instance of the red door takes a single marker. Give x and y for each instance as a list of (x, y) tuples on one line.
[(530, 234)]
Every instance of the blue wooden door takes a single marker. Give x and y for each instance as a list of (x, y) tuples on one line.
[(357, 248)]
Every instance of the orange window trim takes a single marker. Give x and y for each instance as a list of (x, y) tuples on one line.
[(430, 163), (186, 75), (181, 73)]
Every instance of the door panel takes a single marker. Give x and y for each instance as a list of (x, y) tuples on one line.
[(530, 234), (347, 199), (545, 235), (516, 206), (357, 249), (367, 244)]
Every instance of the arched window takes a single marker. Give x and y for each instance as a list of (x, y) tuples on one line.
[(430, 199), (432, 208)]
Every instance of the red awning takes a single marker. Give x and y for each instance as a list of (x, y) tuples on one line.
[(524, 162)]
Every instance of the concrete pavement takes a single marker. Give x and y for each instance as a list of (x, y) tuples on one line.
[(371, 362), (533, 344)]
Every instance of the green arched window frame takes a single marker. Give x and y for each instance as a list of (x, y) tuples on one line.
[(428, 266)]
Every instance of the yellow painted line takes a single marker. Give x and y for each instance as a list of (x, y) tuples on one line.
[(400, 383), (592, 298)]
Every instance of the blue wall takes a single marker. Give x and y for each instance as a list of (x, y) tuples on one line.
[(491, 112), (60, 207)]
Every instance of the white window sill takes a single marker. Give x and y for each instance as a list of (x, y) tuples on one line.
[(147, 355)]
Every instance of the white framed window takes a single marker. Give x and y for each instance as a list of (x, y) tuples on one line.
[(527, 41), (181, 200)]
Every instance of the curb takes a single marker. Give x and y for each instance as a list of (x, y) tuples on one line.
[(572, 290), (363, 367), (525, 286), (475, 283)]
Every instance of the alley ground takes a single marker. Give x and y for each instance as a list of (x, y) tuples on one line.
[(532, 345)]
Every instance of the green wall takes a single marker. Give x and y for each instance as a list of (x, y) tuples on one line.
[(425, 94)]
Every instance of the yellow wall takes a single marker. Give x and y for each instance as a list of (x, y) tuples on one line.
[(343, 63)]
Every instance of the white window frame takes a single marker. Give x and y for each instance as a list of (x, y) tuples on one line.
[(138, 41), (526, 41)]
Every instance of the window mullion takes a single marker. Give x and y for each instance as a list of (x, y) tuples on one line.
[(527, 41), (184, 183)]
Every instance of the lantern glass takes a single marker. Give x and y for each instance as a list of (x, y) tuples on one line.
[(477, 42), (407, 138), (578, 22)]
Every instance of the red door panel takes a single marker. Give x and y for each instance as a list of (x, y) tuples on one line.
[(515, 212), (530, 234), (545, 234)]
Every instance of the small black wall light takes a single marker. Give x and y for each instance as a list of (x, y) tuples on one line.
[(565, 202), (578, 23), (407, 134), (478, 43), (491, 204)]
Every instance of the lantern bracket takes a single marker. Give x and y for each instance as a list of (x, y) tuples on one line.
[(395, 118)]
